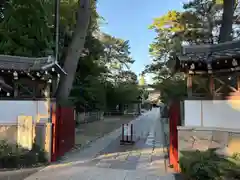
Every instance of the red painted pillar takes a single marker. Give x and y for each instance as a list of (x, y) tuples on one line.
[(54, 132), (174, 118)]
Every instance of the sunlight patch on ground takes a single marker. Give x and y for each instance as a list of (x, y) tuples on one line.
[(234, 100), (147, 151), (67, 164), (159, 150), (108, 155), (235, 104), (57, 166)]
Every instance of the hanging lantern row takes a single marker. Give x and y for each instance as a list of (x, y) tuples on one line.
[(7, 93), (209, 66), (38, 74), (22, 72)]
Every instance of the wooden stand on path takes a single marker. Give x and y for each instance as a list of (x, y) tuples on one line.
[(127, 134)]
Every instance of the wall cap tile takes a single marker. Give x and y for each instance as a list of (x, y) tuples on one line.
[(197, 128)]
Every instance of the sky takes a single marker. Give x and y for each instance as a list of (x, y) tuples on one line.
[(130, 19)]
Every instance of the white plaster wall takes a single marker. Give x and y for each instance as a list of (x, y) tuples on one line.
[(220, 114), (208, 113), (192, 113), (10, 110)]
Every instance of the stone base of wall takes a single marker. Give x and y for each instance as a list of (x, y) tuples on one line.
[(227, 141), (8, 132), (41, 134)]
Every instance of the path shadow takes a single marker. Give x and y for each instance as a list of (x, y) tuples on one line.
[(126, 157)]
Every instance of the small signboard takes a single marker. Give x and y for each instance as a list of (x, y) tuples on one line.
[(127, 130), (127, 134)]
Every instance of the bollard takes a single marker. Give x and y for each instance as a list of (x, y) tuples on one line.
[(125, 132), (122, 132), (132, 132)]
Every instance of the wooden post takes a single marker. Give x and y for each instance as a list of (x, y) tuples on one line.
[(212, 85), (201, 113), (15, 93), (182, 121), (55, 132), (47, 96), (122, 132), (127, 132), (131, 132), (53, 86), (189, 85), (238, 83)]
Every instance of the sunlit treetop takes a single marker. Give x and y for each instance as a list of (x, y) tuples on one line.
[(141, 80), (170, 22)]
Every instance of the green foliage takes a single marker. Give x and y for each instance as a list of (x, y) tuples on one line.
[(99, 83), (236, 156), (24, 30), (207, 165), (145, 94), (103, 74), (169, 22), (12, 156), (122, 94), (117, 51), (198, 23), (172, 88)]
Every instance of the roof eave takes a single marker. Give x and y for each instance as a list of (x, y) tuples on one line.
[(209, 48), (59, 69)]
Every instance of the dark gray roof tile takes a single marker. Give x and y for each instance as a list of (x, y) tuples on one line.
[(18, 63), (211, 52), (23, 63)]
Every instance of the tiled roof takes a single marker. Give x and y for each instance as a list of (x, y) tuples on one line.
[(18, 63), (208, 52)]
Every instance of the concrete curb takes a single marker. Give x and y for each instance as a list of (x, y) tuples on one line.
[(19, 174)]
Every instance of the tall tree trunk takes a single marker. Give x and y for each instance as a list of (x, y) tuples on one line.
[(74, 50), (227, 21), (225, 32)]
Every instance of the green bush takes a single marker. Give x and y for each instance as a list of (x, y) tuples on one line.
[(196, 165), (236, 156), (5, 148), (12, 156)]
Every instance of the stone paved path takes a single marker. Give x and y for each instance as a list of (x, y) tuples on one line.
[(106, 159), (89, 132)]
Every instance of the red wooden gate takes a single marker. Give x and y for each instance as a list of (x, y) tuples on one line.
[(174, 119), (63, 135)]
